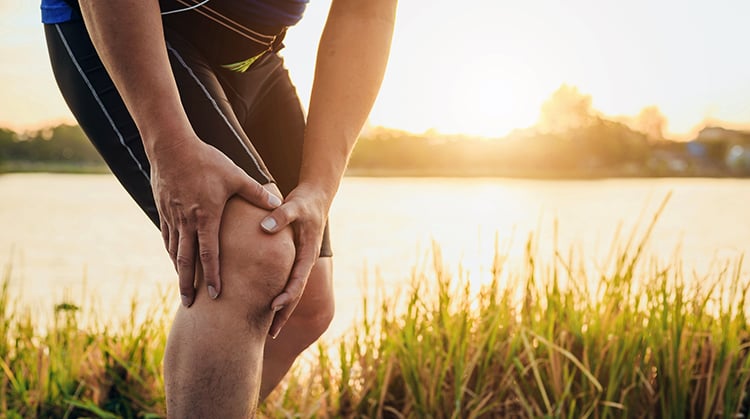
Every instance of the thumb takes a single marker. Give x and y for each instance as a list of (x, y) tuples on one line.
[(255, 193), (278, 218)]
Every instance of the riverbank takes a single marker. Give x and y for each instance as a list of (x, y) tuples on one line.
[(546, 338), (541, 174)]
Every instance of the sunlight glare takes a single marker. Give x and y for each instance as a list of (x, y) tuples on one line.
[(493, 95)]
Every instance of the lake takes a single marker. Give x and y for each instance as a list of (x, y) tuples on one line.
[(73, 235)]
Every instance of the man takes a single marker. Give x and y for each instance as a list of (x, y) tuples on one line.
[(190, 105)]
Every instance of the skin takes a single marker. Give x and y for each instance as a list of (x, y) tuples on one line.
[(215, 219)]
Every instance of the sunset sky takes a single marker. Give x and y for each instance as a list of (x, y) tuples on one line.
[(485, 66)]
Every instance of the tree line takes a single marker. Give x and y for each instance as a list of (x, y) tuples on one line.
[(603, 147), (570, 139), (59, 144)]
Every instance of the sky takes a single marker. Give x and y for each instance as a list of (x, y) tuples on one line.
[(484, 67)]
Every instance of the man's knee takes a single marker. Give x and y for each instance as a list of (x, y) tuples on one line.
[(314, 324), (255, 266), (314, 318), (322, 320)]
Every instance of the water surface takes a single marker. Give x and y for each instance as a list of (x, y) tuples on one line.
[(64, 232)]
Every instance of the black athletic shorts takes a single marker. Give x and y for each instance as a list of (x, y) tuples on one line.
[(255, 117)]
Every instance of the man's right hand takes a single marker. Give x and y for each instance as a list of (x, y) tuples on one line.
[(192, 182)]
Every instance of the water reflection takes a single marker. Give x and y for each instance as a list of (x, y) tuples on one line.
[(61, 229)]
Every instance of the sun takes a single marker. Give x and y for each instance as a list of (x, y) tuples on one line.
[(493, 95)]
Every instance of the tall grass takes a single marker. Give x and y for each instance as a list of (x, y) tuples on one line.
[(551, 338), (63, 370)]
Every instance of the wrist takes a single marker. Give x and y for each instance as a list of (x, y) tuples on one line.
[(162, 141), (319, 192), (323, 177), (323, 164)]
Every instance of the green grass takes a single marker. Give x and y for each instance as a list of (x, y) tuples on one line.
[(63, 370), (552, 338)]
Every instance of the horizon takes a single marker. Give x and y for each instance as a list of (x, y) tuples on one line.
[(485, 69)]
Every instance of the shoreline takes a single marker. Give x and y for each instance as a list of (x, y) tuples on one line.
[(68, 168)]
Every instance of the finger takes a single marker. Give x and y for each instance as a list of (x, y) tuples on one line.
[(164, 228), (166, 218), (174, 243), (208, 253), (280, 319), (279, 218), (285, 303), (165, 235), (253, 192), (186, 267)]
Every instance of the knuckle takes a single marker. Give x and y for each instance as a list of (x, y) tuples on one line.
[(313, 251), (296, 287), (203, 218), (257, 188), (207, 255), (280, 214), (184, 261)]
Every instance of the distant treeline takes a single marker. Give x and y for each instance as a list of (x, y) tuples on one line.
[(55, 146), (600, 148), (570, 139)]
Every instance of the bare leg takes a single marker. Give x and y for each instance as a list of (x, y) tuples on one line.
[(309, 320), (214, 353)]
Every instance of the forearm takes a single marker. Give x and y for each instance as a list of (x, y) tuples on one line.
[(351, 62), (129, 38)]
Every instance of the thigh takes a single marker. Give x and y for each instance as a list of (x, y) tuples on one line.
[(266, 102), (208, 108), (91, 96), (99, 109)]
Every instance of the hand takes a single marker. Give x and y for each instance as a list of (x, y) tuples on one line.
[(192, 181), (306, 209)]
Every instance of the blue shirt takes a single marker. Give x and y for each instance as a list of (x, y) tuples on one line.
[(268, 12), (56, 11)]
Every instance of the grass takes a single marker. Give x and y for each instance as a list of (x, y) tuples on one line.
[(66, 371), (553, 338)]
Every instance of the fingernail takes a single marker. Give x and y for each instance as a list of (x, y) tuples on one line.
[(185, 300), (274, 200), (277, 308), (212, 292), (268, 224)]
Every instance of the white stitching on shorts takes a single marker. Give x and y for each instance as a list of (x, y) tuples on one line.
[(216, 106), (101, 104)]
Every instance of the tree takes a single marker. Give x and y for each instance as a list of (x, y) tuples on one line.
[(566, 109), (7, 139), (651, 122)]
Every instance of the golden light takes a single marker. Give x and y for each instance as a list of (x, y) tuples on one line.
[(493, 95)]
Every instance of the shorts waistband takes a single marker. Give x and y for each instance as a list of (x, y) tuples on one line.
[(224, 39)]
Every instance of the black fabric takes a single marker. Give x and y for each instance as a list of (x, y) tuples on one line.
[(219, 33), (255, 118)]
